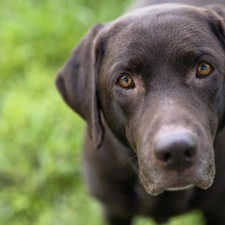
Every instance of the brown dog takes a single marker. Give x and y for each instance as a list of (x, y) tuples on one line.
[(151, 87)]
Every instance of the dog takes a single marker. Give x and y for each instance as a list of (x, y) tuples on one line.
[(151, 87)]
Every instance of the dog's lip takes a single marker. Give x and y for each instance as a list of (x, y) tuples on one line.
[(179, 185), (176, 182), (180, 188)]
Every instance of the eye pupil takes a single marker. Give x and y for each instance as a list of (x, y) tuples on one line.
[(125, 79), (204, 67)]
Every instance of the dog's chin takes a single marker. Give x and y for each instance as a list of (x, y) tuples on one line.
[(174, 184)]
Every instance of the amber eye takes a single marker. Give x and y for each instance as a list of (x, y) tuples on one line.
[(126, 81), (204, 69)]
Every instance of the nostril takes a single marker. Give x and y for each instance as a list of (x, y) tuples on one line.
[(167, 157), (189, 154), (164, 156)]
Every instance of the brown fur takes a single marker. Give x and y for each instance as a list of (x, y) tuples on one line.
[(170, 111)]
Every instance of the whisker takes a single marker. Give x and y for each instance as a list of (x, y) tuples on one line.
[(132, 172), (135, 156)]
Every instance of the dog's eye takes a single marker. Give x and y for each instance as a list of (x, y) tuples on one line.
[(204, 69), (126, 81)]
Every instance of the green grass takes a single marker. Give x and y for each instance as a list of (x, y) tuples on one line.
[(40, 137)]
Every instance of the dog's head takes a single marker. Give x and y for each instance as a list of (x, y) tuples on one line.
[(157, 76)]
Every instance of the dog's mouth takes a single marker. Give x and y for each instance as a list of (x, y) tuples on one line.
[(180, 185), (181, 188), (175, 182)]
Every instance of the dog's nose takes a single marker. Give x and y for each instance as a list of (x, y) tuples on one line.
[(176, 151)]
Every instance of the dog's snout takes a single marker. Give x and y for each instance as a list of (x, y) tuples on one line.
[(176, 151)]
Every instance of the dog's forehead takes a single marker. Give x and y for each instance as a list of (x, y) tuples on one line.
[(161, 20), (162, 23), (164, 30)]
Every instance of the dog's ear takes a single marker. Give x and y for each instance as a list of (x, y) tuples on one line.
[(76, 82), (217, 18)]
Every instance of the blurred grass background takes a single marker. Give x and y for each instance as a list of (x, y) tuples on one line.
[(40, 137)]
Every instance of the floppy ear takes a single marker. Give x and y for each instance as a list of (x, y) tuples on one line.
[(217, 17), (76, 82)]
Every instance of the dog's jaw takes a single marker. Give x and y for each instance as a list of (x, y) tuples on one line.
[(158, 183)]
